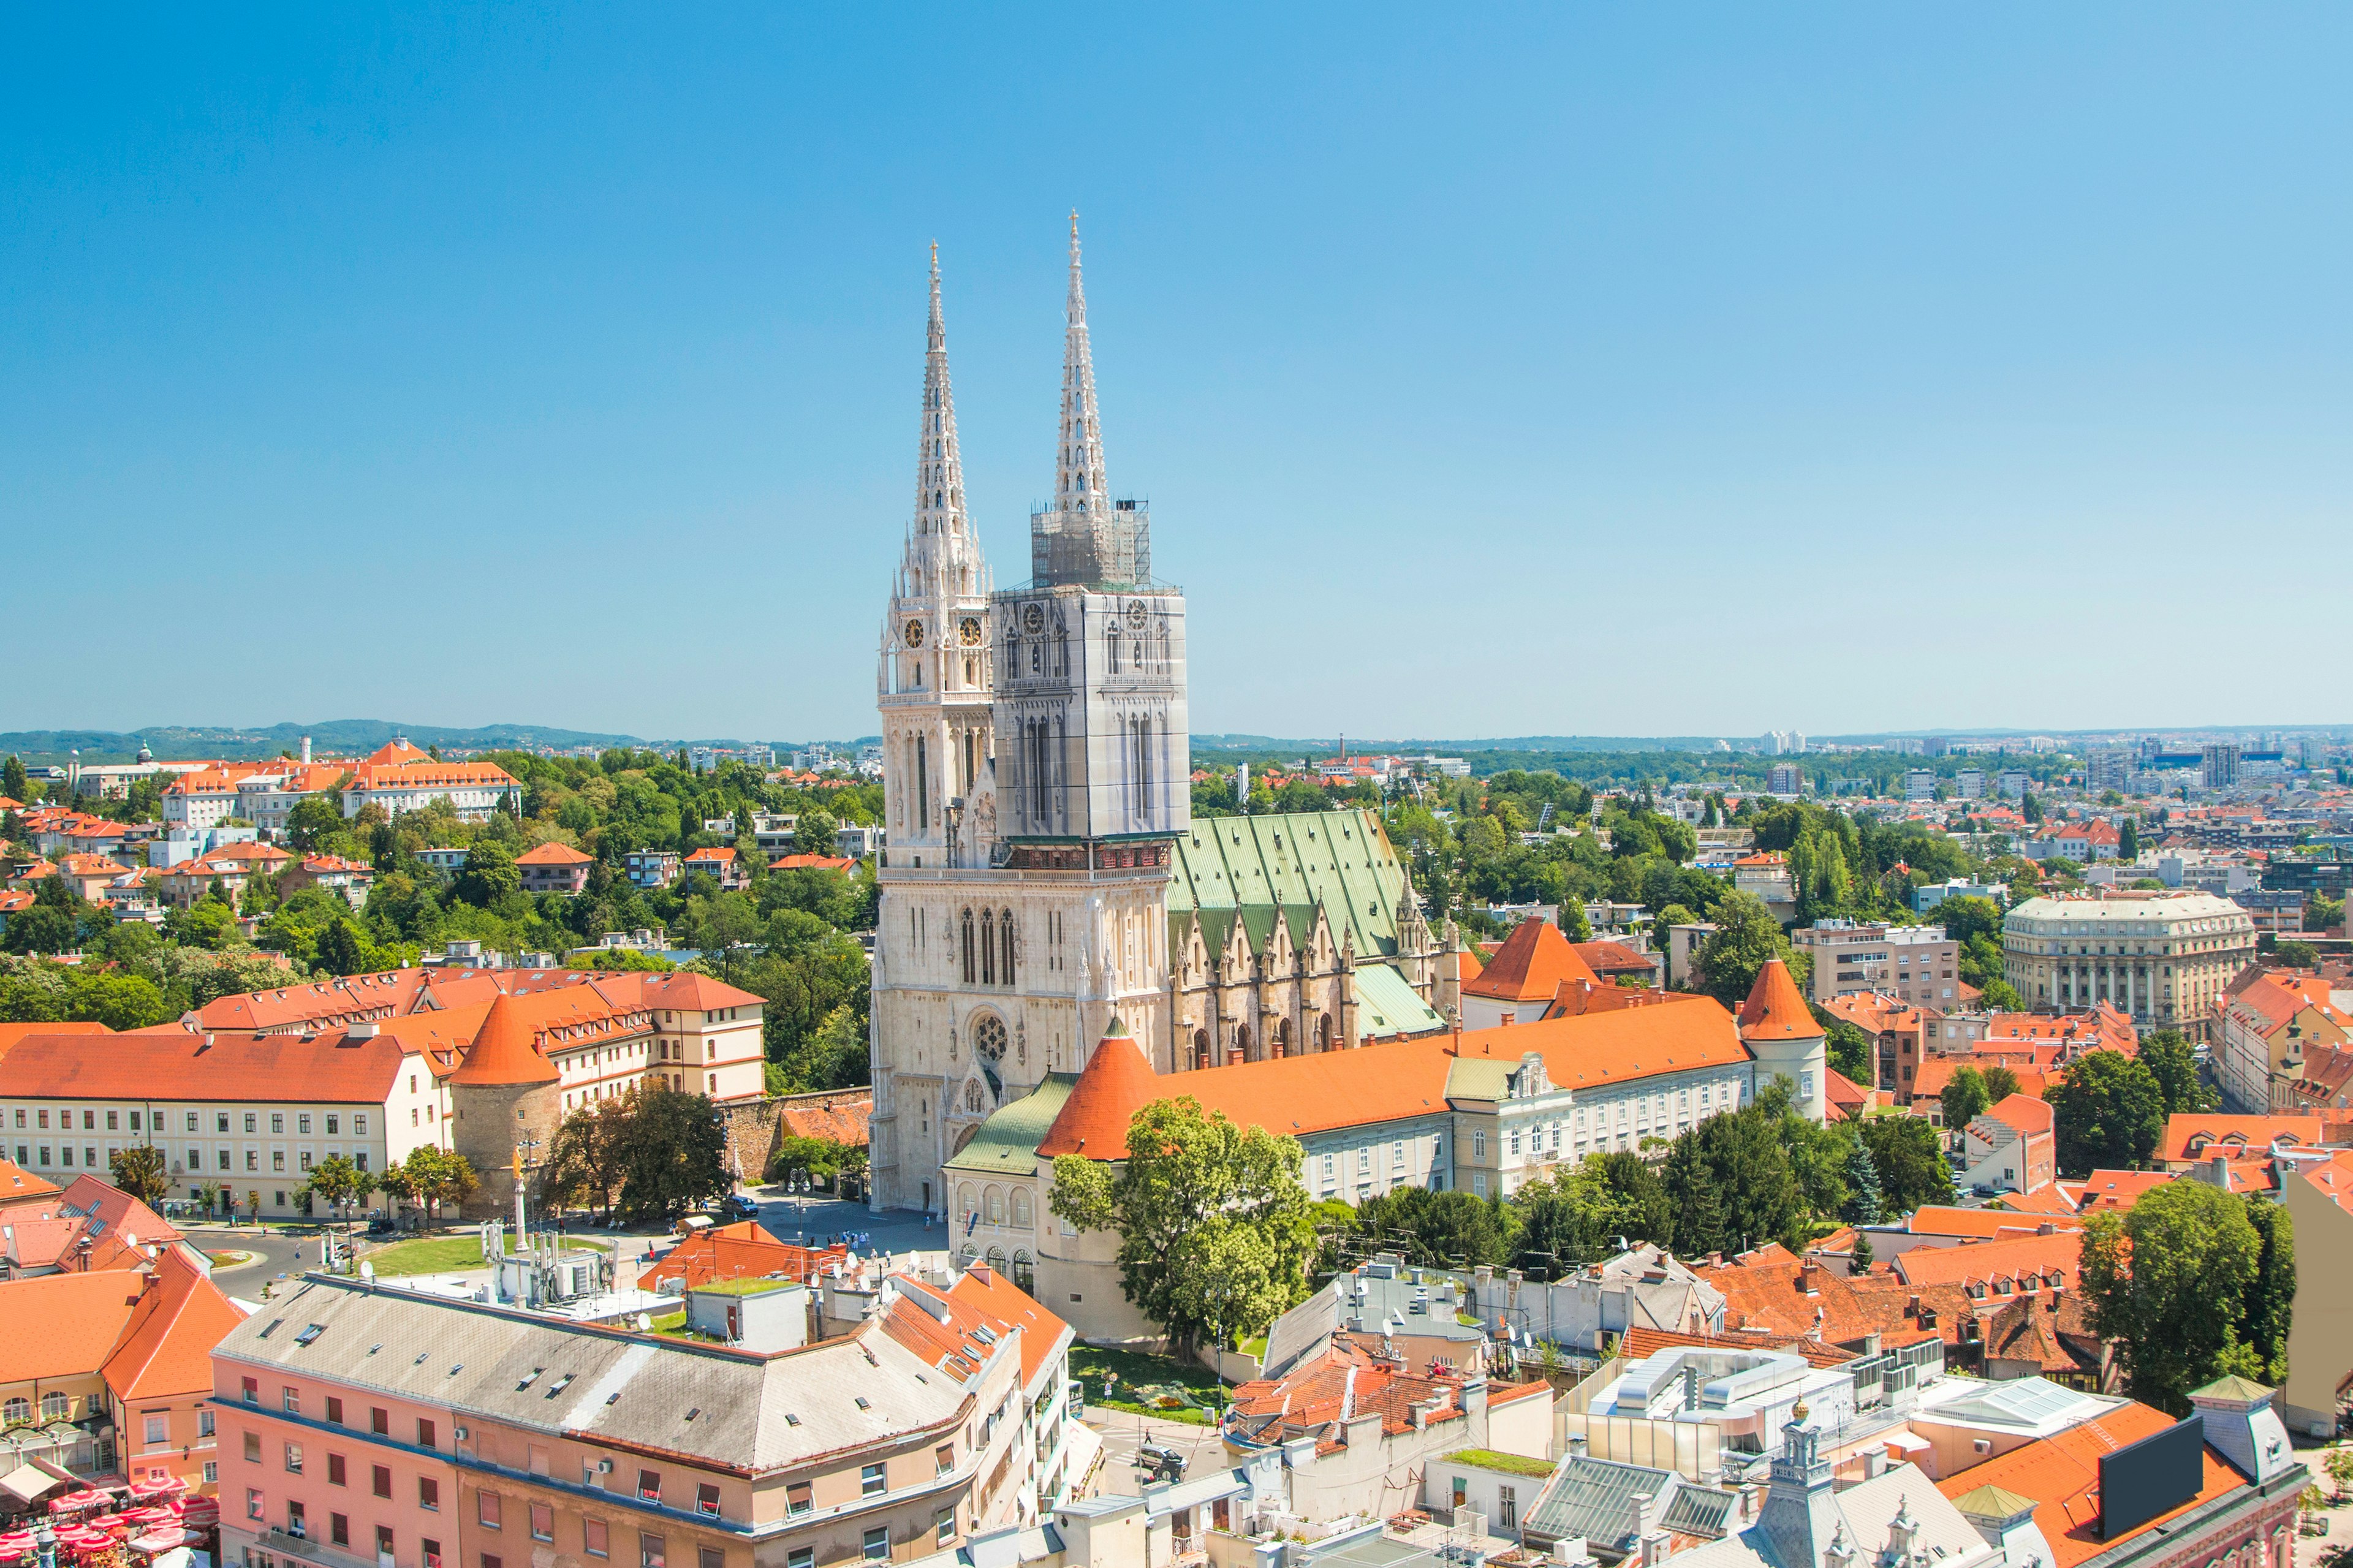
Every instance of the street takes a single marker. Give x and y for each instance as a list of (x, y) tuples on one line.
[(1123, 1431), (275, 1254)]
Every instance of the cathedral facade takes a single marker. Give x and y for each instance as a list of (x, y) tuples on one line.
[(1044, 874)]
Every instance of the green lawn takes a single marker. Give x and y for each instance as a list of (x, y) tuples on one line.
[(439, 1255), (1092, 1365), (1510, 1464)]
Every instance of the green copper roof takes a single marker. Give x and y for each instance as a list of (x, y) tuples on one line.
[(1280, 866), (1006, 1143), (1387, 1004), (2233, 1387)]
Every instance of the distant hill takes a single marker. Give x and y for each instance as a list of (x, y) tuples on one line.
[(344, 737)]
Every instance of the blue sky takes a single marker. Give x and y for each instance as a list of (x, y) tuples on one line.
[(1561, 370)]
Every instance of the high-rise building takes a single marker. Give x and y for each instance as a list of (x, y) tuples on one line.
[(2221, 769)]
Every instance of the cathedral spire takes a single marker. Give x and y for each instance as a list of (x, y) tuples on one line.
[(939, 464), (1080, 485)]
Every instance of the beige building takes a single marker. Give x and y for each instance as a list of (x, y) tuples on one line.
[(2163, 958), (1917, 965)]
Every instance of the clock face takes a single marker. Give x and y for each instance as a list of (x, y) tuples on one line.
[(970, 631), (1135, 612), (914, 633), (1033, 618)]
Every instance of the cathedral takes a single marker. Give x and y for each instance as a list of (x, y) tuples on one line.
[(1044, 872)]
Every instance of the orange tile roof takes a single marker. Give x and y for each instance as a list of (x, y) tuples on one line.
[(811, 863), (2024, 1113), (505, 1050), (842, 1123), (1530, 966), (18, 1185), (711, 855), (64, 1325), (179, 1064), (1935, 1219), (2062, 1476), (1613, 958), (1115, 1084), (2115, 1189), (1467, 966), (2187, 1133), (1676, 1032), (985, 1291), (1939, 1070), (739, 1251), (166, 1349), (2014, 1260), (1776, 1009), (1873, 1012), (12, 1033), (2044, 1201), (553, 854), (1640, 1344)]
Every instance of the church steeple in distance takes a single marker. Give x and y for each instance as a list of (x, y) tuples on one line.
[(1083, 535)]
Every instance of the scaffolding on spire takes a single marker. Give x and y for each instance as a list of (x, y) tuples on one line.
[(1083, 535)]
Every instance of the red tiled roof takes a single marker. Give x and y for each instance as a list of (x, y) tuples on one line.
[(553, 854), (2062, 1476), (505, 1050), (2023, 1113), (166, 1349), (2188, 1133), (739, 1251), (2115, 1189), (997, 1297), (1935, 1219), (64, 1325), (1776, 1009), (2036, 1255), (1610, 959), (1115, 1084), (811, 863), (842, 1123), (1530, 966), (710, 857), (181, 1065)]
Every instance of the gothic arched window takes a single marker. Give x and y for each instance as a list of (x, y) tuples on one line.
[(1024, 1275), (1006, 937), (1200, 1047), (967, 947), (988, 947), (972, 1097)]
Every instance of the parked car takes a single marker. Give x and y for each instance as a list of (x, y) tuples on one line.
[(736, 1207)]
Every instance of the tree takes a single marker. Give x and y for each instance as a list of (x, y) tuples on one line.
[(585, 1157), (2168, 1282), (2171, 1060), (341, 950), (490, 876), (1639, 1209), (1859, 1261), (674, 1154), (1851, 1051), (140, 1171), (337, 1183), (2002, 996), (1910, 1163), (1213, 1225), (2128, 840), (1436, 1228), (2270, 1301), (1746, 936), (1865, 1205), (2109, 1113), (1964, 1097), (2296, 955), (14, 783), (312, 820), (2000, 1083), (814, 833), (431, 1177), (1732, 1185)]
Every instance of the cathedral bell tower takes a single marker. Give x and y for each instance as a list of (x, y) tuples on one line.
[(1094, 757), (934, 682)]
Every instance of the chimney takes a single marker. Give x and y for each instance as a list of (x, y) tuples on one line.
[(1577, 1445), (1638, 1519), (1874, 1463), (2045, 1228), (306, 751), (1871, 1343)]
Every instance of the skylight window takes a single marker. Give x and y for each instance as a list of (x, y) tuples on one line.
[(307, 1334)]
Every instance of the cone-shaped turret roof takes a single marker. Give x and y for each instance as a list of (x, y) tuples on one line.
[(504, 1052), (1776, 1009), (1117, 1083)]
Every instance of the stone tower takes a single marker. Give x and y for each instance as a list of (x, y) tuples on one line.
[(504, 1095), (933, 682), (1780, 1030), (1091, 736)]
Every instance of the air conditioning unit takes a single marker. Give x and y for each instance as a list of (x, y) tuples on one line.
[(604, 1466), (460, 1433)]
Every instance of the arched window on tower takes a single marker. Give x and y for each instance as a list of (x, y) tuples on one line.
[(967, 947), (1005, 938), (988, 947), (1200, 1047)]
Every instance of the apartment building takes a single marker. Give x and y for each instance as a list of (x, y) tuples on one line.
[(553, 868), (411, 1432), (2163, 959), (1918, 965), (2264, 1031)]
